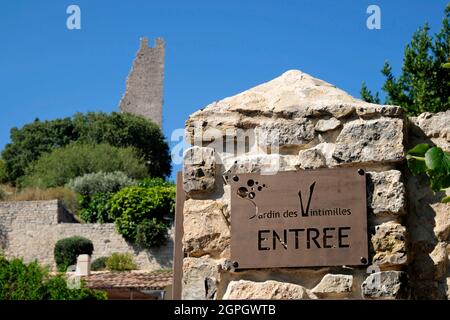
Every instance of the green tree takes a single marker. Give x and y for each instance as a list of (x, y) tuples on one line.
[(124, 130), (33, 139), (423, 85), (367, 95), (117, 129), (3, 177), (61, 165)]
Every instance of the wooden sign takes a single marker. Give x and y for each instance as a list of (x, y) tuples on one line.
[(299, 219)]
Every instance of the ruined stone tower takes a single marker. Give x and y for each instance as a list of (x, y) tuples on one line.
[(144, 89)]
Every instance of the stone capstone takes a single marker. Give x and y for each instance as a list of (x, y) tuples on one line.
[(199, 169), (284, 110), (386, 193), (206, 229), (370, 141), (386, 285), (334, 285), (243, 289), (389, 244)]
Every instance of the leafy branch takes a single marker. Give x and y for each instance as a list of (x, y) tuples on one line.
[(434, 162)]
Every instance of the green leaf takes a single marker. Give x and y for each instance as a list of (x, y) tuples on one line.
[(446, 65), (438, 160), (435, 183), (419, 150), (445, 181), (446, 199), (416, 166)]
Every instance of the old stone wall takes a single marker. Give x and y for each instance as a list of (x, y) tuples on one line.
[(428, 220), (30, 230), (144, 87), (294, 122)]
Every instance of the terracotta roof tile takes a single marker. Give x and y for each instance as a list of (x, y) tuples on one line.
[(155, 280)]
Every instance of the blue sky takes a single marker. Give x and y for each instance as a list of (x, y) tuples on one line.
[(214, 49)]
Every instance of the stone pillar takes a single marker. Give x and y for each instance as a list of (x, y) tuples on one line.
[(83, 265), (294, 122)]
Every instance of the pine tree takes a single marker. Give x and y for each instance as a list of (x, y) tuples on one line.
[(424, 82), (367, 95)]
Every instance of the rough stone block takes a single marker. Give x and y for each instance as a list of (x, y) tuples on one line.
[(334, 285), (435, 125), (440, 257), (442, 221), (311, 159), (206, 229), (327, 125), (370, 110), (370, 141), (386, 193), (199, 169), (389, 244), (200, 278), (386, 285), (299, 132), (260, 163), (242, 289)]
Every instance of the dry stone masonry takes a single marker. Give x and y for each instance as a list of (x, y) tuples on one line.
[(30, 230), (144, 89), (428, 220), (297, 122)]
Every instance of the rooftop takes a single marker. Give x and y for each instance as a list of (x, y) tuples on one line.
[(155, 280)]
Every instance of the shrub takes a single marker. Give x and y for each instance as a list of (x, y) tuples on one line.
[(155, 182), (67, 250), (67, 196), (75, 160), (100, 182), (20, 281), (58, 290), (95, 208), (151, 233), (133, 205), (99, 264), (117, 129), (120, 262), (2, 194)]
